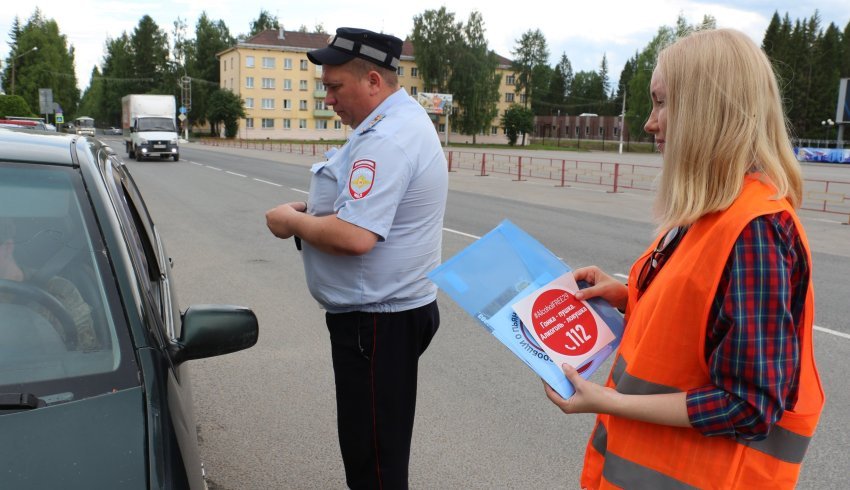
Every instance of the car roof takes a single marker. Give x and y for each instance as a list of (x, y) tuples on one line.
[(37, 146)]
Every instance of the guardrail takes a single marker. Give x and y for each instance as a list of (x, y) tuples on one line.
[(827, 196)]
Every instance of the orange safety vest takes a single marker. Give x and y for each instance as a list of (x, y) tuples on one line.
[(662, 351)]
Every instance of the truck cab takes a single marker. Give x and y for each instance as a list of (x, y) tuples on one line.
[(153, 136)]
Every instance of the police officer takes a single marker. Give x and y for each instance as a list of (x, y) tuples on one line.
[(371, 232)]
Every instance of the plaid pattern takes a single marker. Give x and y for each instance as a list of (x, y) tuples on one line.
[(752, 344)]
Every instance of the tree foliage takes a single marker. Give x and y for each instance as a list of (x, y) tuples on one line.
[(14, 105), (435, 38), (41, 58), (530, 53), (264, 22), (227, 108), (517, 120)]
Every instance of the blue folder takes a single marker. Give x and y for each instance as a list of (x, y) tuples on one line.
[(499, 269)]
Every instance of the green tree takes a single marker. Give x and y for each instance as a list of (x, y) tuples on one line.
[(559, 86), (530, 52), (517, 120), (14, 105), (150, 58), (264, 22), (50, 65), (435, 39), (203, 66), (475, 87), (225, 107), (118, 78)]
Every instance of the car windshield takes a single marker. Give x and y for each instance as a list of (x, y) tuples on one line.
[(58, 302), (156, 124)]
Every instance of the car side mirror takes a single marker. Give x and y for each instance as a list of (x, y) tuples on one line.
[(214, 330)]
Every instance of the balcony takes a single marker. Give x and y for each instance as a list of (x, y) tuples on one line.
[(318, 113), (320, 94)]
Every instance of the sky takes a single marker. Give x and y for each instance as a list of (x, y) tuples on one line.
[(584, 31)]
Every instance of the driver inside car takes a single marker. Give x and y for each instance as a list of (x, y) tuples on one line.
[(60, 288)]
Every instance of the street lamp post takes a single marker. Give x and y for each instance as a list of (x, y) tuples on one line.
[(827, 125), (14, 58)]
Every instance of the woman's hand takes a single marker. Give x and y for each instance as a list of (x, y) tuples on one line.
[(588, 398), (601, 285)]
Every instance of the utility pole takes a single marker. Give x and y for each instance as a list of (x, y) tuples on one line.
[(622, 120), (14, 64)]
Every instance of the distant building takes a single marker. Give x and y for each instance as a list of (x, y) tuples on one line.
[(284, 96)]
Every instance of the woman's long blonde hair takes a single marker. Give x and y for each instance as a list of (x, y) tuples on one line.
[(724, 119)]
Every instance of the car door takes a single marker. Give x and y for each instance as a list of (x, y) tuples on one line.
[(176, 443)]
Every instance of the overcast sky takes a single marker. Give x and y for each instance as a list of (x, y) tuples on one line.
[(583, 30)]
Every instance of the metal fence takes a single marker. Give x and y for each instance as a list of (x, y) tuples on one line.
[(827, 196)]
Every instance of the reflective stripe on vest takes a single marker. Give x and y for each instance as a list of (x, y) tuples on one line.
[(628, 474), (780, 443)]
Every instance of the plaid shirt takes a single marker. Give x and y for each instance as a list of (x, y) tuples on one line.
[(752, 345)]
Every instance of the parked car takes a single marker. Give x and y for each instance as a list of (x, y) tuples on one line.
[(112, 130), (94, 381)]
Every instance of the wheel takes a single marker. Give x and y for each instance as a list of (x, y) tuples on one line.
[(28, 293), (176, 157)]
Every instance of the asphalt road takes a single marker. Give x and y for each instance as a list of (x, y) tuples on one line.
[(267, 415)]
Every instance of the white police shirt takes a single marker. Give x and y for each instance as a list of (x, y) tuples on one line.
[(390, 178)]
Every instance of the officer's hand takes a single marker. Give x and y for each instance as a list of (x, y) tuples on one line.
[(601, 285), (281, 219)]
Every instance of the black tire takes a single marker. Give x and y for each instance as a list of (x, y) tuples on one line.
[(176, 157)]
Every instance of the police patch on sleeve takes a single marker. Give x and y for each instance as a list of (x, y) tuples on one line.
[(361, 179)]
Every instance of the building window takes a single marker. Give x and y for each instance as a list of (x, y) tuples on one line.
[(400, 71), (287, 63), (249, 82), (320, 105), (268, 123), (494, 130), (616, 131), (287, 104), (510, 80), (578, 132), (268, 82), (321, 124), (587, 130), (268, 103), (304, 65), (302, 85), (287, 124), (414, 72), (320, 87), (601, 131), (287, 84), (522, 98), (337, 124), (249, 102), (249, 123), (268, 62), (302, 124), (509, 97), (442, 128), (302, 105), (414, 90), (567, 130), (249, 62)]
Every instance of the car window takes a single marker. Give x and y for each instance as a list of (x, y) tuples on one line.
[(63, 334)]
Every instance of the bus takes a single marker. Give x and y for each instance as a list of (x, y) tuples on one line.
[(84, 125)]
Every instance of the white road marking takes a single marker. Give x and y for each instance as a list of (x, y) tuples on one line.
[(461, 233), (267, 182), (213, 168), (832, 332), (234, 173), (298, 190)]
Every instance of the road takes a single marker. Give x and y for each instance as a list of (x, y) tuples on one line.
[(267, 415)]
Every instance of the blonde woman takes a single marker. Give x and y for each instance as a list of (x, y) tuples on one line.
[(714, 384)]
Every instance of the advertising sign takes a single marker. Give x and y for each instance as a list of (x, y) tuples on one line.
[(434, 103)]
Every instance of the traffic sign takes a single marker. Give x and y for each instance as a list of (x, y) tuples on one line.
[(183, 110), (60, 118), (182, 117)]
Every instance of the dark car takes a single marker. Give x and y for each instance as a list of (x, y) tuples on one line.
[(94, 386)]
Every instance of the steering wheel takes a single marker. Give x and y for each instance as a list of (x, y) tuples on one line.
[(26, 292)]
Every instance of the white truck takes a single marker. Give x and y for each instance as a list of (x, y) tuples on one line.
[(149, 126)]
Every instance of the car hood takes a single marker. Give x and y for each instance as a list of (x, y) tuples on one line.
[(96, 442), (157, 135)]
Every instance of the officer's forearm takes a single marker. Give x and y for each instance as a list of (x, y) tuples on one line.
[(333, 235)]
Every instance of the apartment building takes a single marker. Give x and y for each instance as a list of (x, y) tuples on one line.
[(284, 96)]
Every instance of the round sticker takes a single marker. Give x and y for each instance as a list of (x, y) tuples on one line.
[(564, 323), (361, 179)]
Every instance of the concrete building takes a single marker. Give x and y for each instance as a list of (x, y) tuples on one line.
[(284, 96)]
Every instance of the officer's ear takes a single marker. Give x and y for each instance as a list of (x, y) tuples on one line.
[(376, 81)]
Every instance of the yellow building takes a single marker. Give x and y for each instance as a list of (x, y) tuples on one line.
[(284, 96)]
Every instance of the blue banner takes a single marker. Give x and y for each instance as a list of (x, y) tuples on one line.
[(502, 267), (827, 155)]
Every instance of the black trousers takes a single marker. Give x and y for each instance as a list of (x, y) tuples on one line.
[(375, 360)]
